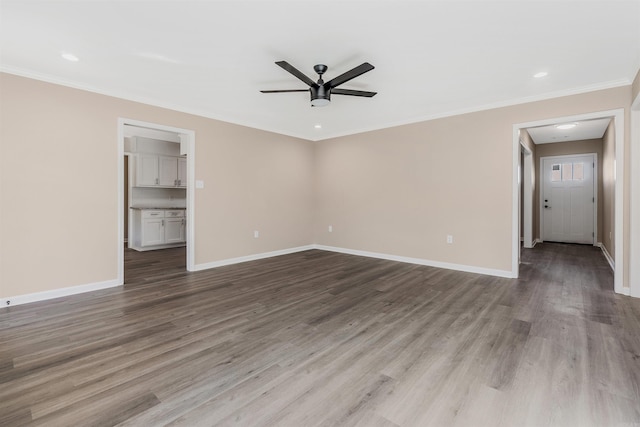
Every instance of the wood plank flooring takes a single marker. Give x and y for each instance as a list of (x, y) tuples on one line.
[(320, 338)]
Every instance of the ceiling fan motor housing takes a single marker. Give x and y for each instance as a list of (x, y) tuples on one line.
[(319, 92)]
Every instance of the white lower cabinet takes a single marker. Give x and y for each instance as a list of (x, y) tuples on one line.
[(158, 229), (174, 228), (152, 231)]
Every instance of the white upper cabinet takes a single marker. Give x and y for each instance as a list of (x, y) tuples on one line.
[(160, 171), (182, 172), (168, 171), (147, 169)]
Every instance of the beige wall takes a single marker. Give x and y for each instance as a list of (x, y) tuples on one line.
[(254, 180), (608, 179), (566, 148), (401, 190), (396, 191)]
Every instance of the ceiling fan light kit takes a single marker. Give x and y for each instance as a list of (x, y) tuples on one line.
[(320, 91)]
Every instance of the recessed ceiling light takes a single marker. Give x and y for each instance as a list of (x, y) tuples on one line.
[(70, 57), (566, 126), (540, 74), (318, 126)]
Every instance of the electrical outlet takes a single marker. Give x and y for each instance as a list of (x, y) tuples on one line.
[(331, 229), (449, 238), (256, 234)]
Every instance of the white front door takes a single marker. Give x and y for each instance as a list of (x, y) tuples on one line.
[(568, 199)]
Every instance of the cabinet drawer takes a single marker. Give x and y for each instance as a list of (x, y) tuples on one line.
[(152, 214), (178, 213)]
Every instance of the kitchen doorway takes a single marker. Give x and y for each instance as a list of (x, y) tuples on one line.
[(157, 210)]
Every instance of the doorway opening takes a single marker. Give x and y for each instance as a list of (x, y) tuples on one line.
[(530, 218), (155, 199)]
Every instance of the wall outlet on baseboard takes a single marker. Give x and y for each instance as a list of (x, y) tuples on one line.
[(331, 229), (449, 238), (256, 234)]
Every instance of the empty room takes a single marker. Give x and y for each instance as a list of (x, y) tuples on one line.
[(301, 213)]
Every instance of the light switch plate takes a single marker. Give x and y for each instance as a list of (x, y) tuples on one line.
[(199, 183)]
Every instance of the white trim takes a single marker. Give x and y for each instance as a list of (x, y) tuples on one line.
[(419, 261), (606, 254), (254, 257), (527, 202), (634, 232), (73, 290), (618, 116), (216, 116), (120, 204), (618, 214), (57, 293), (595, 192), (477, 108), (187, 138), (515, 207)]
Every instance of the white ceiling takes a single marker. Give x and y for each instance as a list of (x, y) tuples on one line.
[(584, 129), (432, 58)]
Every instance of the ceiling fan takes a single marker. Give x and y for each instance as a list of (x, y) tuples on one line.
[(320, 91)]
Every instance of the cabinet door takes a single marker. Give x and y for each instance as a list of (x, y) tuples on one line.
[(152, 232), (174, 230), (146, 170), (182, 172), (168, 171)]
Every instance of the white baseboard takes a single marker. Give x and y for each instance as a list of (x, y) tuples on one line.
[(56, 293), (610, 260), (254, 257), (62, 292), (420, 261)]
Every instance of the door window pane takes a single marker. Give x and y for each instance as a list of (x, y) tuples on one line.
[(567, 171), (578, 170), (555, 173)]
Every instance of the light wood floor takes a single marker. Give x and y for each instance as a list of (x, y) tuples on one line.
[(319, 338)]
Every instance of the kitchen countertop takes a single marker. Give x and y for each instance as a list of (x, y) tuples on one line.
[(158, 207)]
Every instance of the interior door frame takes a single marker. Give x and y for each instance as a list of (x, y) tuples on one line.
[(618, 120), (527, 196), (595, 192), (634, 244), (187, 146)]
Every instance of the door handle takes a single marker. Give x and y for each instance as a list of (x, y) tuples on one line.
[(547, 207)]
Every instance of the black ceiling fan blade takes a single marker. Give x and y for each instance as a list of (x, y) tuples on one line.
[(352, 92), (293, 70), (284, 90), (351, 74)]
